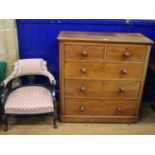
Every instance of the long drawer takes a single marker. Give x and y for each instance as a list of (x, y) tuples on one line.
[(100, 107), (101, 89), (104, 70)]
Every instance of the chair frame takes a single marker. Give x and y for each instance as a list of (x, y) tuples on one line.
[(6, 90)]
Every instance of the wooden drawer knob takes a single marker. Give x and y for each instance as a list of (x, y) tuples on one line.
[(83, 70), (84, 53), (124, 71), (82, 108), (82, 88), (126, 54), (122, 90), (119, 109)]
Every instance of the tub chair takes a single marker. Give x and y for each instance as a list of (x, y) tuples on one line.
[(29, 98)]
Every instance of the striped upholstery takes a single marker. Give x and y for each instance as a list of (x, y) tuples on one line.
[(30, 67), (29, 100)]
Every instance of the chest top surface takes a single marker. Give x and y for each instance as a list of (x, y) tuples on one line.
[(136, 38)]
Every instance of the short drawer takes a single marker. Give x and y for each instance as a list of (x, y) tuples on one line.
[(104, 70), (100, 107), (82, 52), (101, 89), (125, 53)]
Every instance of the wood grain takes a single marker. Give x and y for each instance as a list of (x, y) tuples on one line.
[(126, 53), (143, 82), (104, 70), (133, 38), (101, 89), (84, 52), (97, 107), (61, 73), (95, 119), (102, 76)]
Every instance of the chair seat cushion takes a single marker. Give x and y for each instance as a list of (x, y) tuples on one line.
[(29, 100)]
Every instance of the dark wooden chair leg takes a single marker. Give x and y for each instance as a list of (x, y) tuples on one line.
[(153, 107), (5, 120), (55, 121)]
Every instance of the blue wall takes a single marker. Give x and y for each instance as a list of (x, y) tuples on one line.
[(37, 38)]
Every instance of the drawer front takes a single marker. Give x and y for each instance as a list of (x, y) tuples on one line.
[(80, 52), (101, 89), (100, 107), (126, 53), (104, 70)]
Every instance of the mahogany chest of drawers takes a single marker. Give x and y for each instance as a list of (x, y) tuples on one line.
[(102, 76)]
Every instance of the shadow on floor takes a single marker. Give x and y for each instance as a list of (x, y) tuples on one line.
[(42, 125)]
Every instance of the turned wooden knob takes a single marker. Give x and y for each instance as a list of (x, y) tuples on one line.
[(124, 71), (119, 109), (84, 53), (122, 89), (82, 88), (126, 54), (83, 70), (82, 108)]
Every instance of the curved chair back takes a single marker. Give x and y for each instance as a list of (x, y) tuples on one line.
[(34, 66)]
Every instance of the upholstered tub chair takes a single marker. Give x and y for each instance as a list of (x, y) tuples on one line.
[(31, 98)]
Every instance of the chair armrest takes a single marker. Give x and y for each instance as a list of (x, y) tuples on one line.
[(51, 77), (52, 87), (54, 96)]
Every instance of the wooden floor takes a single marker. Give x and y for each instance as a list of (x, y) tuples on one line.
[(43, 126)]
